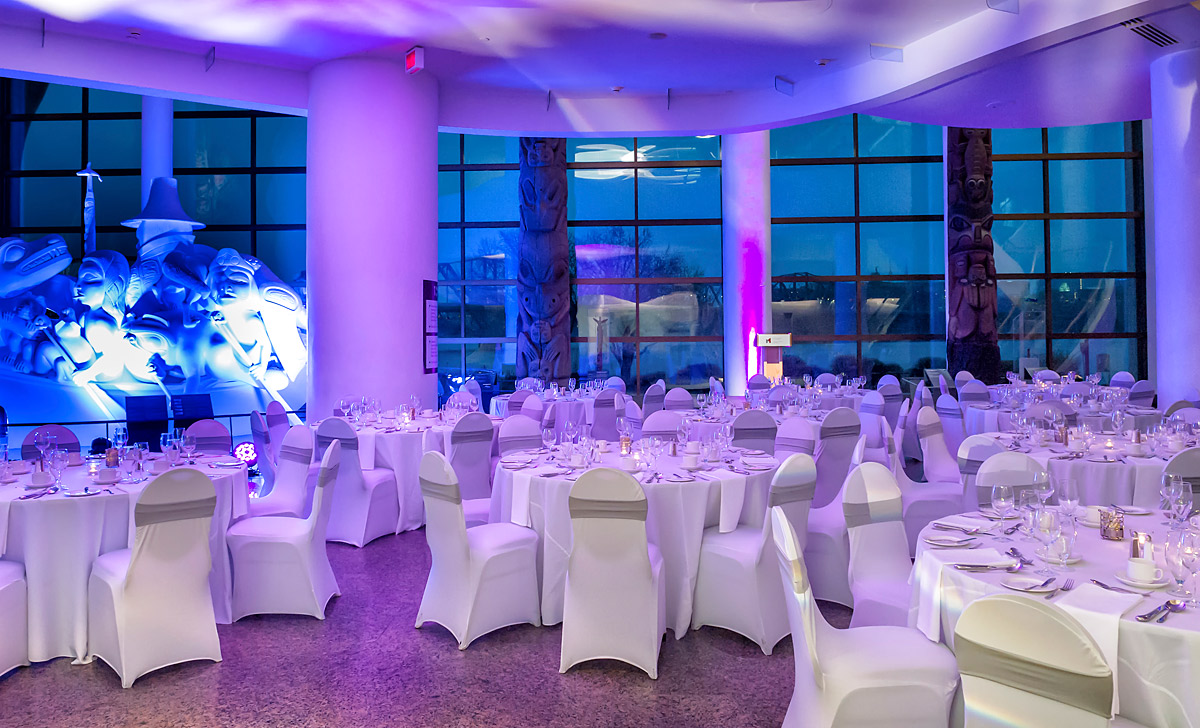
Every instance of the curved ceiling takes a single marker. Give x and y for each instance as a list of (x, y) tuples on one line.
[(686, 66)]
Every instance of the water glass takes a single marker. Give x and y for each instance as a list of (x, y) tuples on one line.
[(1177, 540), (56, 462), (1063, 545), (1003, 504), (1171, 490), (1042, 486), (548, 437), (1068, 495), (1048, 529), (1029, 505), (189, 447)]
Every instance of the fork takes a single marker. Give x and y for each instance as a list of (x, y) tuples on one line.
[(1067, 585)]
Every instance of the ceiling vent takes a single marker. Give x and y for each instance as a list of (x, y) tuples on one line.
[(1150, 32)]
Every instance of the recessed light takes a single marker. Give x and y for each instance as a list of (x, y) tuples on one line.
[(657, 36), (822, 62), (135, 33), (617, 89)]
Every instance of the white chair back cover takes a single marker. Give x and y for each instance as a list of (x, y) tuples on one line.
[(1077, 389), (1142, 394), (758, 383), (318, 517), (1042, 410), (893, 399), (972, 393), (826, 379), (516, 401), (972, 453), (887, 379), (952, 421), (528, 383), (1047, 375), (779, 394), (943, 385), (278, 423), (913, 443), (962, 378), (66, 440), (796, 435), (260, 435), (445, 524), (652, 401), (871, 503), (792, 489), (807, 624), (1189, 414), (350, 477), (836, 438), (1193, 396), (940, 465), (715, 387), (755, 429), (212, 438), (464, 398), (1124, 380), (615, 383), (289, 495), (663, 424), (532, 408), (678, 399), (604, 415), (662, 384), (519, 433), (1186, 464), (472, 386), (1006, 468), (1176, 406), (1027, 662), (470, 454), (906, 432), (633, 414)]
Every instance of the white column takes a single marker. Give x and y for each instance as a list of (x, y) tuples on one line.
[(372, 230), (1175, 110), (158, 133), (746, 247)]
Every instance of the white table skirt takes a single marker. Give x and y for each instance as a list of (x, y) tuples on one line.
[(1156, 676), (677, 516), (580, 409), (978, 420), (57, 539), (1133, 482)]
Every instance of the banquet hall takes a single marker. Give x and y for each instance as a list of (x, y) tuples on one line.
[(599, 363)]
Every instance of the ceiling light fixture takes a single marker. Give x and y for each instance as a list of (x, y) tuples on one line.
[(822, 62), (881, 52), (658, 36), (617, 89), (134, 33)]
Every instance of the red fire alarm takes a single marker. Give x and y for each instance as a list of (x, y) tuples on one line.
[(414, 60)]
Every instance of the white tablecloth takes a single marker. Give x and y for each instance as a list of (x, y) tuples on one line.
[(1156, 676), (57, 539), (1135, 481), (979, 420), (677, 516), (578, 408)]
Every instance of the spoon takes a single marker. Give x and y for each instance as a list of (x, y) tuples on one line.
[(1174, 605), (1149, 616), (1016, 554)]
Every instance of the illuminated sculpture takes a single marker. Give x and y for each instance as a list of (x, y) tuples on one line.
[(972, 343), (543, 282)]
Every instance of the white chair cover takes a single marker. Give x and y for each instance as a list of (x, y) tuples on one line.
[(951, 416), (1042, 410), (66, 440), (758, 383), (893, 400), (528, 383), (280, 565), (289, 495), (1047, 375), (464, 398), (836, 437), (212, 438), (472, 386), (1006, 468), (365, 502), (633, 414), (755, 429), (879, 563), (779, 394), (278, 423), (737, 583), (1080, 389), (878, 676), (943, 385), (519, 433), (260, 435), (923, 502), (972, 393), (532, 408), (871, 418), (653, 400), (14, 615), (615, 383), (662, 384), (828, 549), (715, 387), (962, 378), (663, 424), (796, 435), (151, 606), (678, 399), (471, 458), (1190, 415), (912, 445), (1187, 465), (615, 603), (480, 579), (516, 402), (885, 380), (826, 379), (1027, 662), (940, 465), (1142, 394), (1124, 380), (971, 455), (604, 415)]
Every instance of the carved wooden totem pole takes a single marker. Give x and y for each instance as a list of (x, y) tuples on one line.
[(971, 341), (543, 282)]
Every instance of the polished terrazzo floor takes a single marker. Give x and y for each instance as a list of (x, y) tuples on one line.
[(365, 665)]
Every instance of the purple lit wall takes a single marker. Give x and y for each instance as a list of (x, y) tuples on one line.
[(746, 248)]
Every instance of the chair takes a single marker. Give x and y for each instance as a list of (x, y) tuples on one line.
[(1124, 380), (472, 386), (280, 565), (737, 582), (615, 602), (1142, 394), (14, 615), (481, 578), (951, 415), (779, 394), (549, 417), (1053, 409), (519, 433), (972, 393), (879, 564), (532, 408), (870, 676), (289, 495), (828, 549), (212, 438), (1176, 406), (962, 378), (678, 399), (260, 435), (663, 424), (922, 502), (1189, 414), (1186, 464), (758, 383), (795, 435), (893, 400), (1026, 662), (942, 385), (939, 464), (278, 423), (875, 434), (972, 453), (66, 440), (1047, 375), (633, 415), (1192, 396), (471, 458), (365, 502), (715, 386), (885, 380), (826, 379), (615, 383), (662, 384), (1007, 468), (756, 430), (150, 606), (463, 398), (516, 402), (528, 383), (653, 400), (604, 415), (1077, 389), (910, 409)]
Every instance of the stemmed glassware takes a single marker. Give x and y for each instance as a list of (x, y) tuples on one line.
[(56, 462), (43, 441), (141, 451), (1029, 505), (1068, 495), (128, 463), (1063, 543), (120, 437), (548, 439), (1118, 420), (1049, 528), (1002, 504), (1177, 540), (1171, 490), (571, 429), (170, 448), (1042, 486), (189, 448)]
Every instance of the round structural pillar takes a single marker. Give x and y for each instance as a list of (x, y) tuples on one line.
[(372, 231), (746, 248), (158, 133), (1175, 114)]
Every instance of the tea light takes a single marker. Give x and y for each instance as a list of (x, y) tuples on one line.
[(93, 467), (1109, 444)]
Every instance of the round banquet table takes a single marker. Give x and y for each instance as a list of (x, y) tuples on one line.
[(58, 537), (978, 419), (578, 408), (1155, 674), (677, 514)]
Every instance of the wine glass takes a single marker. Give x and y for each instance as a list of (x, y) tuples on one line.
[(1042, 486), (1063, 544), (571, 385), (1170, 490), (142, 450), (571, 429), (1002, 504), (1177, 540), (189, 447), (1118, 420), (128, 464), (1191, 559), (43, 441), (120, 437), (56, 462), (1048, 529), (548, 439), (1068, 495), (1029, 504)]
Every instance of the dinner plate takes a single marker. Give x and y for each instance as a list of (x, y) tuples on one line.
[(1135, 511), (757, 467), (673, 478), (1142, 584), (1103, 459), (228, 463), (949, 541), (1041, 554), (1028, 584)]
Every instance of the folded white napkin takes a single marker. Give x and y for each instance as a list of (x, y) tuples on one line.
[(1100, 611), (733, 496), (520, 497), (366, 448), (967, 522)]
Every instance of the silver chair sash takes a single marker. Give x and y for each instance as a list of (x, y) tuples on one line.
[(754, 433), (295, 454), (146, 514), (881, 511), (968, 466), (260, 430), (273, 420), (974, 397), (328, 475), (934, 428), (653, 399), (606, 403), (1091, 693), (757, 386), (842, 431), (870, 408), (784, 494), (1193, 481), (891, 397), (324, 441), (459, 437), (589, 508), (954, 413), (662, 434), (680, 405), (214, 442), (520, 442), (798, 444), (441, 491)]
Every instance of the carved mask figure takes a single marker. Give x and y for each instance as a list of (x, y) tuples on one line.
[(231, 280), (103, 278), (24, 265)]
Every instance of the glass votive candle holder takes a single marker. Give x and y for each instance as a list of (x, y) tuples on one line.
[(1112, 525)]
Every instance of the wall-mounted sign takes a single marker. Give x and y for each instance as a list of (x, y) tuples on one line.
[(429, 329), (774, 339)]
